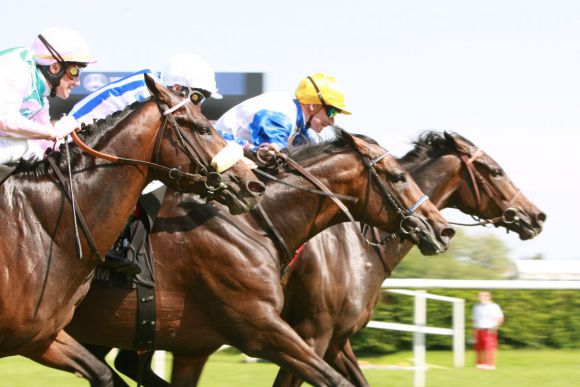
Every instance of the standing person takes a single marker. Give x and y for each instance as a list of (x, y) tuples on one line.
[(279, 120), (487, 316), (28, 76)]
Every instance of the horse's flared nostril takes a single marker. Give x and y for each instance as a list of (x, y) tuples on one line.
[(447, 233), (255, 187), (541, 218)]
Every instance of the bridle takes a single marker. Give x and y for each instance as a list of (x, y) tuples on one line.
[(213, 180), (408, 221), (408, 224), (509, 213)]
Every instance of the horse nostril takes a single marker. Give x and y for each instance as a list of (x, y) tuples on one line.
[(541, 218), (448, 232), (255, 187)]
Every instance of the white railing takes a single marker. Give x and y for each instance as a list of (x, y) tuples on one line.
[(420, 328)]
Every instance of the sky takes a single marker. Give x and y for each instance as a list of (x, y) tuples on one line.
[(503, 73)]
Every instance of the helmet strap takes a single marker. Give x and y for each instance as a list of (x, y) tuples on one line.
[(311, 116), (54, 79)]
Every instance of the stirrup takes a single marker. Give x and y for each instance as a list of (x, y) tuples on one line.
[(120, 264)]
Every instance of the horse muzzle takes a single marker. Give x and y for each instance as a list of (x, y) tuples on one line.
[(429, 240), (528, 226)]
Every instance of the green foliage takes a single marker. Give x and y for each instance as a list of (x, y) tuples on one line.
[(533, 319), (468, 257)]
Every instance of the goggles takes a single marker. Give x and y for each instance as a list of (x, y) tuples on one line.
[(73, 71), (198, 96), (331, 111)]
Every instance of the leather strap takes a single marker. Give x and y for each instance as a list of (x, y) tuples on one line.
[(80, 217)]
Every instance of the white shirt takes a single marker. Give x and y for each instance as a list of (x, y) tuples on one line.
[(486, 315)]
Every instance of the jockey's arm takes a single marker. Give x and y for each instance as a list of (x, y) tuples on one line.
[(12, 122), (272, 128)]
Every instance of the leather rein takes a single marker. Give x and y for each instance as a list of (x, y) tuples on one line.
[(405, 214), (191, 149)]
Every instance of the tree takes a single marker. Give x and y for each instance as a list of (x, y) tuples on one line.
[(468, 257)]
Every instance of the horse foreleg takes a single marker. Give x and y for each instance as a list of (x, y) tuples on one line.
[(342, 358), (278, 342), (64, 353), (127, 362), (319, 344), (187, 370), (100, 352)]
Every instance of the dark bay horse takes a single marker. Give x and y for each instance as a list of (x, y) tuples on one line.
[(42, 278), (218, 276), (454, 173)]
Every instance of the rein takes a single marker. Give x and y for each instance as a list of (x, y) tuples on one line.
[(173, 173), (324, 191), (177, 174)]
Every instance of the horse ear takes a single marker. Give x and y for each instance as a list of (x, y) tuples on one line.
[(451, 140), (455, 142), (158, 90), (359, 144)]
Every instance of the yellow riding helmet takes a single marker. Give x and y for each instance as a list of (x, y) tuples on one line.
[(329, 92)]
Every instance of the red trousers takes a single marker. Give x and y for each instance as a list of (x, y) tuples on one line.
[(485, 340)]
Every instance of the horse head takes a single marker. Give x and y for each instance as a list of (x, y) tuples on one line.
[(488, 191), (192, 145), (388, 187)]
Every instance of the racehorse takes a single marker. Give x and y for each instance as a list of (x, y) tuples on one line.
[(44, 273), (218, 277), (454, 173)]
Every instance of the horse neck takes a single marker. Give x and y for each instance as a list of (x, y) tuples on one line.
[(439, 179), (105, 193), (299, 215)]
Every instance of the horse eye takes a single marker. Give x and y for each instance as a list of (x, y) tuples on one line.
[(398, 178), (496, 172)]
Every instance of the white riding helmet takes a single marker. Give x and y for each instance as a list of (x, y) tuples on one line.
[(71, 46), (192, 71)]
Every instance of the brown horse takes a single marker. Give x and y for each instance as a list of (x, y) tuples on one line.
[(218, 277), (326, 315), (454, 173), (42, 279)]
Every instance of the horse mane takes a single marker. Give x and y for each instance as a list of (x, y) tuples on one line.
[(90, 134), (331, 145), (431, 144)]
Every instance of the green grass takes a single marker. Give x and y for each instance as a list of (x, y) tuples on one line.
[(516, 368)]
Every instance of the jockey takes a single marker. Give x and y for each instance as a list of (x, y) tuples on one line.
[(28, 76), (277, 120)]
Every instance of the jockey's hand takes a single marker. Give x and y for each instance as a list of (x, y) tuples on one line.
[(65, 126), (266, 151)]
